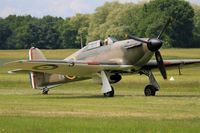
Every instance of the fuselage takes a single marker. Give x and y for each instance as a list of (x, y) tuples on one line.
[(126, 52)]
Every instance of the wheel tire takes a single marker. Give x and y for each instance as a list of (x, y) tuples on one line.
[(110, 93), (150, 90)]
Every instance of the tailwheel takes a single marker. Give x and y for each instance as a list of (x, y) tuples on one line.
[(110, 93), (45, 91), (150, 90)]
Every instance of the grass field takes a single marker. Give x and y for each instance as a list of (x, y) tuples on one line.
[(80, 107)]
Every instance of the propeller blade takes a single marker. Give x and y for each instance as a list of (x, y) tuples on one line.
[(137, 39), (161, 65), (164, 28)]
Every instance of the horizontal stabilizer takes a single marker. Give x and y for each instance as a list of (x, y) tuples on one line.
[(18, 71)]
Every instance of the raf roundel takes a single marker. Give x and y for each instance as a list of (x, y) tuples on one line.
[(45, 67)]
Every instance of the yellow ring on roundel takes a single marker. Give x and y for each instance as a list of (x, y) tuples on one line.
[(70, 77)]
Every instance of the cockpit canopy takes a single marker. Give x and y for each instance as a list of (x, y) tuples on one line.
[(99, 43), (94, 44)]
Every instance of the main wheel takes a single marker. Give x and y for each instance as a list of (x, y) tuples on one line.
[(110, 93), (150, 90)]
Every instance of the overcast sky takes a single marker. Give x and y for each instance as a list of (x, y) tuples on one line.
[(59, 8)]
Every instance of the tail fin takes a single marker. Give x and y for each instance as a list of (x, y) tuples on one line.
[(40, 80), (36, 54)]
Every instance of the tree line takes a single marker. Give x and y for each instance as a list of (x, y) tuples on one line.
[(113, 18)]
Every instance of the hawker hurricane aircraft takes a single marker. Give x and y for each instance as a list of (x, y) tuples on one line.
[(102, 61)]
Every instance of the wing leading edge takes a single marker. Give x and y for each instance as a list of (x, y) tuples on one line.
[(189, 63)]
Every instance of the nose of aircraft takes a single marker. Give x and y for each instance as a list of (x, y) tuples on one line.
[(154, 44)]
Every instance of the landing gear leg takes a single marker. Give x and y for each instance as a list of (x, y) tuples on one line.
[(107, 89), (150, 90), (45, 91)]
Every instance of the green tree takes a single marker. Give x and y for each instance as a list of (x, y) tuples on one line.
[(68, 35), (19, 26), (196, 31), (115, 19), (80, 24), (123, 20), (97, 27), (5, 32), (28, 31), (49, 33), (156, 13)]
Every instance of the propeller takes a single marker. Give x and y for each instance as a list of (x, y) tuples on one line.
[(161, 65), (154, 45)]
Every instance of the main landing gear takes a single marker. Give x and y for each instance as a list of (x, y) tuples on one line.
[(107, 89), (150, 90)]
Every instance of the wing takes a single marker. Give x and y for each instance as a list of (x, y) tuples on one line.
[(83, 68), (72, 68), (171, 64)]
